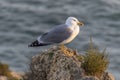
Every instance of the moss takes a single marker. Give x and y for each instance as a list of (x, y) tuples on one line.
[(51, 54), (4, 71), (95, 62)]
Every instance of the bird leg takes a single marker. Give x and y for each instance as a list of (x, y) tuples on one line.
[(61, 46), (68, 52)]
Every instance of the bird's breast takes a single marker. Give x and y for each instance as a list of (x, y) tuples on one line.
[(76, 30), (73, 35)]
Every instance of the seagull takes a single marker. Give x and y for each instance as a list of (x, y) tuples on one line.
[(60, 34)]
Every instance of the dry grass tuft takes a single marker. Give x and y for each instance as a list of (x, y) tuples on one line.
[(95, 62), (80, 57)]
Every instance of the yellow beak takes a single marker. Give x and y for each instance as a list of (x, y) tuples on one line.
[(80, 23)]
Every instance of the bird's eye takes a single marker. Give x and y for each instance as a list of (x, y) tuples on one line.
[(74, 20)]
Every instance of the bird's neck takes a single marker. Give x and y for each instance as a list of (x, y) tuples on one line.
[(69, 24), (72, 27)]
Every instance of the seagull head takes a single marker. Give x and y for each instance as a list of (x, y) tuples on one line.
[(73, 21)]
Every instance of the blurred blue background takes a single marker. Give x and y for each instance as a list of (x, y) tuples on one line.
[(21, 21)]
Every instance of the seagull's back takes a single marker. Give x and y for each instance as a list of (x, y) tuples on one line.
[(57, 34)]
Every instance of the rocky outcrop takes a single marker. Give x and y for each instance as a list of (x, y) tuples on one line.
[(13, 76), (59, 64), (54, 65), (7, 74), (107, 76), (3, 78)]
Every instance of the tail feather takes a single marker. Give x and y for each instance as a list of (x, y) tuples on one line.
[(36, 44)]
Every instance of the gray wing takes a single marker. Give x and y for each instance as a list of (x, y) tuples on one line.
[(56, 35)]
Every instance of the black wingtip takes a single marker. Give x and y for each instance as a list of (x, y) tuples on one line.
[(34, 44), (37, 44)]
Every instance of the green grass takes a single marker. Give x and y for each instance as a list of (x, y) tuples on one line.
[(95, 62)]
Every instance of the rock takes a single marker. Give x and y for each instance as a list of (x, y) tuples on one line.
[(16, 75), (3, 78), (13, 76), (55, 65), (59, 64), (89, 78), (107, 76), (7, 74)]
